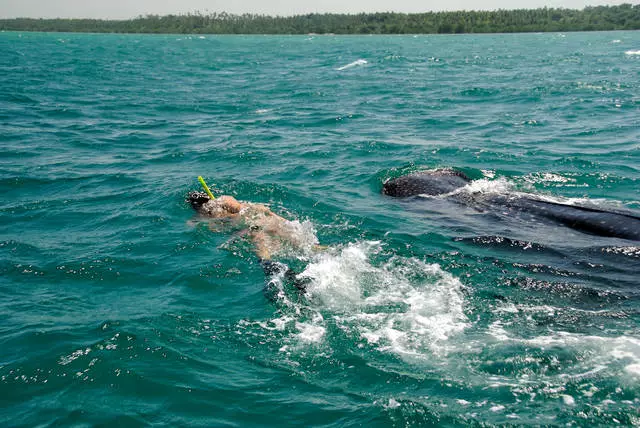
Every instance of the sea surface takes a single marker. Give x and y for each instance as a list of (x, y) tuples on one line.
[(119, 307)]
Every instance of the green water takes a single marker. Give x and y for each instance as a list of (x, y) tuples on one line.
[(118, 307)]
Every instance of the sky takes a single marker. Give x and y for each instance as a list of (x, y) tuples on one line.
[(123, 9)]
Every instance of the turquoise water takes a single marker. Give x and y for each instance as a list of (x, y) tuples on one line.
[(118, 307)]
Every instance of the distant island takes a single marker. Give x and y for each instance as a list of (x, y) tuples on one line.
[(599, 18)]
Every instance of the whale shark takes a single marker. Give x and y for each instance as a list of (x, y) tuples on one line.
[(448, 183)]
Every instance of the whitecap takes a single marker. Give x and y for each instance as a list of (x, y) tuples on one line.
[(633, 369), (568, 400), (353, 64), (547, 177)]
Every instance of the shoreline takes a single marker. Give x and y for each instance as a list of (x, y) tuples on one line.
[(625, 17)]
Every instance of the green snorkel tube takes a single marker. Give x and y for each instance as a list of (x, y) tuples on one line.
[(206, 188)]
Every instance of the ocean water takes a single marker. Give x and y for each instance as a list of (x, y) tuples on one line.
[(119, 307)]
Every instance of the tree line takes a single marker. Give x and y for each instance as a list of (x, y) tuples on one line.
[(599, 18)]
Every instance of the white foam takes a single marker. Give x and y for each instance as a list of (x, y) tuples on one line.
[(482, 186), (594, 202), (353, 64), (545, 309), (336, 278), (73, 356), (633, 369), (310, 332), (392, 404), (485, 186), (278, 324), (488, 173), (304, 234), (504, 186), (585, 85), (603, 352), (547, 177), (633, 52), (568, 400), (405, 306)]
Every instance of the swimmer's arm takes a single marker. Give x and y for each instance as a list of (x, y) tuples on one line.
[(261, 245)]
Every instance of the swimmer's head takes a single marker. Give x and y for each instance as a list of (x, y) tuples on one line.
[(197, 199), (223, 206)]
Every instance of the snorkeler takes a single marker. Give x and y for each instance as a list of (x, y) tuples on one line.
[(269, 233)]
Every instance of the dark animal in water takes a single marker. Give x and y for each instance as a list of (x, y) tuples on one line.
[(447, 182)]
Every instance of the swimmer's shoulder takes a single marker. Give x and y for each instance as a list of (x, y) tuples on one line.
[(255, 208)]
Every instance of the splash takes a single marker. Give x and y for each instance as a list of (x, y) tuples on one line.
[(515, 187), (303, 236), (403, 306), (488, 185), (484, 186)]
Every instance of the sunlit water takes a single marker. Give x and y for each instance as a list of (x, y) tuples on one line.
[(117, 306)]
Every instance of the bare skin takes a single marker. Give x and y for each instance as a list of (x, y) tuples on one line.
[(268, 231)]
